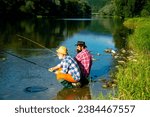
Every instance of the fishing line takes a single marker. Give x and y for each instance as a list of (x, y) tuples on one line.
[(31, 89), (24, 59), (98, 54), (36, 43)]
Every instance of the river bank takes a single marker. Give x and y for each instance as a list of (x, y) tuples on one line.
[(133, 78)]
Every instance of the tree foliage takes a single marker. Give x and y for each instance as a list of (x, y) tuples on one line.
[(96, 5), (108, 9), (126, 8), (51, 8), (131, 8)]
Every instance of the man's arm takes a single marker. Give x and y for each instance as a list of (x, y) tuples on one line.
[(54, 68)]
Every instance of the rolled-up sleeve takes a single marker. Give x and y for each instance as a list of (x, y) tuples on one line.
[(60, 64)]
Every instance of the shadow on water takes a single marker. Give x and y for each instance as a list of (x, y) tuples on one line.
[(74, 94), (16, 75)]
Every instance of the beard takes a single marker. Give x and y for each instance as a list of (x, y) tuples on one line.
[(60, 57), (78, 51)]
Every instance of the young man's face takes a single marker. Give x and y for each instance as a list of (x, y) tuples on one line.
[(79, 48)]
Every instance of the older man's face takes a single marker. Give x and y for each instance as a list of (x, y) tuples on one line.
[(60, 56)]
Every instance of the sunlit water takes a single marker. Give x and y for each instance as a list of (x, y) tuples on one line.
[(16, 74)]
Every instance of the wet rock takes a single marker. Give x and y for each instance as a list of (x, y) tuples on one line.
[(130, 58), (108, 50), (102, 80), (121, 55), (107, 85), (116, 66), (93, 59), (114, 54), (110, 84), (121, 62), (116, 57), (98, 54), (131, 52), (115, 81), (113, 51), (114, 85), (123, 51)]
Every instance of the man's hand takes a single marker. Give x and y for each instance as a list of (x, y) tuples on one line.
[(50, 69)]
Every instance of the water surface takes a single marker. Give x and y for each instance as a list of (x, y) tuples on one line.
[(17, 74)]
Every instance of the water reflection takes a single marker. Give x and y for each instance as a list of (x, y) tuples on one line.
[(49, 33), (74, 94)]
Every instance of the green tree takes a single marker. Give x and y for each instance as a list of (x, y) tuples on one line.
[(129, 8), (27, 7), (50, 8), (108, 9), (96, 5)]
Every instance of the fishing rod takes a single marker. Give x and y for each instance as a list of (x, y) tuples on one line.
[(24, 59), (98, 54), (36, 43)]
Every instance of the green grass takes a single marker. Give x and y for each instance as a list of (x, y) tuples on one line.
[(140, 40), (134, 78)]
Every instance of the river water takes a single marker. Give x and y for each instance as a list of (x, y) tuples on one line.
[(16, 74)]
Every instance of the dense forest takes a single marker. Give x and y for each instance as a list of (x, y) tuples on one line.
[(50, 8), (126, 8), (74, 8), (96, 5), (121, 8)]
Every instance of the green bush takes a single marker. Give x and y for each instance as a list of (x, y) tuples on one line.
[(145, 13)]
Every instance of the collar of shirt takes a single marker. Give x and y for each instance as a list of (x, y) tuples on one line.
[(84, 50)]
